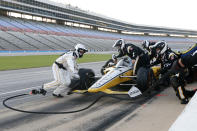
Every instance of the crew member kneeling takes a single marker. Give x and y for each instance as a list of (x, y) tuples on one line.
[(64, 69), (178, 68)]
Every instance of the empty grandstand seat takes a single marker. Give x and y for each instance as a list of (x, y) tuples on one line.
[(47, 36)]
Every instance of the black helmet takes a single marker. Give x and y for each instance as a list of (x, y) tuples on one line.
[(118, 43), (145, 44), (161, 46)]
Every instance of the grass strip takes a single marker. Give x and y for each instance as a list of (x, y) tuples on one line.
[(34, 61)]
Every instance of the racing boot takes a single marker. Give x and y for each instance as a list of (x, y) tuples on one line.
[(184, 101), (58, 92), (190, 93), (58, 95), (69, 91)]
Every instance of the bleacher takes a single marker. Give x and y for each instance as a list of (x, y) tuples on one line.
[(20, 34)]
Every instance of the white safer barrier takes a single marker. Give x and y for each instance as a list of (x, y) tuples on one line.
[(187, 120)]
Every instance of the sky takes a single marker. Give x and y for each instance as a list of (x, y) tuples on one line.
[(179, 14)]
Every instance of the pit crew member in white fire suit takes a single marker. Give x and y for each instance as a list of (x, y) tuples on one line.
[(64, 69)]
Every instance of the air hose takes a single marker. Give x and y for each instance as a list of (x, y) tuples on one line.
[(132, 100), (39, 112)]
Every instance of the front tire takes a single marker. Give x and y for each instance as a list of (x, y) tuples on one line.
[(145, 78)]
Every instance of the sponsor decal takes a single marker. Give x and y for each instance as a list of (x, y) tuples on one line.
[(134, 91), (108, 77)]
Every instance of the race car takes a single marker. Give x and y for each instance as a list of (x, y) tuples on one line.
[(118, 79)]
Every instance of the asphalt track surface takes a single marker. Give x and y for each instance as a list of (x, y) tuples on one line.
[(107, 114), (101, 116), (156, 113)]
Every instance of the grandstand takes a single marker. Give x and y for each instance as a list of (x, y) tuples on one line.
[(44, 25)]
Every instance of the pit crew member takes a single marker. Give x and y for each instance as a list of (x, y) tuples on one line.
[(178, 68), (167, 58), (138, 56), (64, 70)]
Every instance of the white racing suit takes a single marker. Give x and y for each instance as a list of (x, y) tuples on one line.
[(64, 69)]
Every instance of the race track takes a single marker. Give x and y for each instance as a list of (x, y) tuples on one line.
[(157, 113), (102, 115)]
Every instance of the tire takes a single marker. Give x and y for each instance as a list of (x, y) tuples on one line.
[(87, 78), (152, 80), (145, 78)]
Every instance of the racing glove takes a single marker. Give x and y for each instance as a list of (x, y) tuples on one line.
[(114, 57), (102, 70), (111, 64)]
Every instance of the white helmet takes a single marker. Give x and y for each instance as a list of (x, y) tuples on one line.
[(80, 49)]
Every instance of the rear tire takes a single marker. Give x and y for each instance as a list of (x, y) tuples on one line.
[(87, 78)]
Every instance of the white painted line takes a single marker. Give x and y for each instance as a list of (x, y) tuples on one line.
[(43, 71), (91, 63), (27, 73), (19, 90)]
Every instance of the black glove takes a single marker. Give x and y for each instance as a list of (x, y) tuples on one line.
[(162, 71), (114, 57), (102, 70), (110, 64)]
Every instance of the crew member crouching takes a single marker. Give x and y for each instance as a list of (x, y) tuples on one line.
[(64, 70)]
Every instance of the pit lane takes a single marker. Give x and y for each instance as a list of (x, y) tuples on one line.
[(22, 81), (105, 114), (157, 113)]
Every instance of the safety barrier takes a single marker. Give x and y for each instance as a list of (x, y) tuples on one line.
[(187, 119)]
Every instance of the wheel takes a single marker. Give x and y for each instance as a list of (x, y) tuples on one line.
[(87, 78), (145, 78), (152, 80)]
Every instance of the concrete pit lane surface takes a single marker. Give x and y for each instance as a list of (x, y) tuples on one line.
[(157, 113)]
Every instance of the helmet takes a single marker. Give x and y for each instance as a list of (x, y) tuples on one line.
[(161, 47), (118, 43), (80, 49), (145, 44)]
